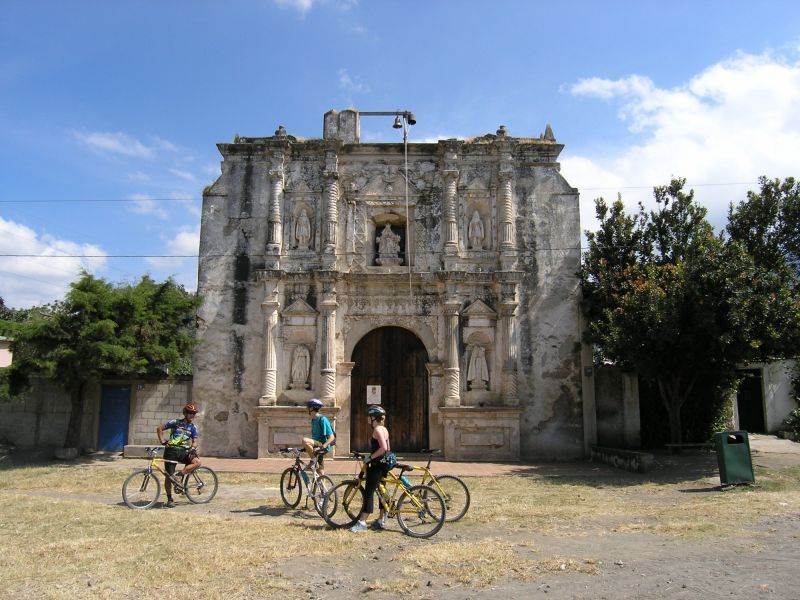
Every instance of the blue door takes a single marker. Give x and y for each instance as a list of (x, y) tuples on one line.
[(115, 405)]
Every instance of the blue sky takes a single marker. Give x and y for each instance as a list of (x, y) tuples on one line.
[(110, 111)]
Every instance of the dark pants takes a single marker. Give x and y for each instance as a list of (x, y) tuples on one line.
[(176, 453), (375, 472)]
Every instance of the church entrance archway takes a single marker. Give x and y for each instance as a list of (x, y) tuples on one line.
[(395, 359)]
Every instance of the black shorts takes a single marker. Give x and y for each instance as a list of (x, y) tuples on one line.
[(182, 455)]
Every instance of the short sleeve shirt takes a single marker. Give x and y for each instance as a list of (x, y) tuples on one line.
[(182, 434), (321, 428)]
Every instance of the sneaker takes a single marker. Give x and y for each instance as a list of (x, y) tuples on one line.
[(358, 527), (170, 503), (378, 525)]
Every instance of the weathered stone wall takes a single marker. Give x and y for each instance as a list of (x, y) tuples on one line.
[(290, 264)]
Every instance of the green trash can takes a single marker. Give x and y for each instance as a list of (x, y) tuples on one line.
[(733, 456)]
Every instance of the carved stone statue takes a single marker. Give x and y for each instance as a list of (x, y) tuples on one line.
[(388, 247), (476, 232), (300, 364), (478, 372), (302, 231)]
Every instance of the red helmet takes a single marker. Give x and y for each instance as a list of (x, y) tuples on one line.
[(190, 408)]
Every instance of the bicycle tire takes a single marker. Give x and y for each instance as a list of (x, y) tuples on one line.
[(141, 490), (319, 488), (291, 487), (349, 498), (456, 496), (423, 515), (200, 485)]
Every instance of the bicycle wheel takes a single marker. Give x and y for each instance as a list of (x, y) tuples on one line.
[(141, 489), (348, 497), (318, 490), (456, 495), (291, 487), (421, 511), (200, 485)]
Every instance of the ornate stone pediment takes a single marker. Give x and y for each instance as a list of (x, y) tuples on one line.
[(299, 313), (388, 182), (480, 323), (478, 313)]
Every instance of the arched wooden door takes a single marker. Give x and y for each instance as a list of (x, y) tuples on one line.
[(393, 358)]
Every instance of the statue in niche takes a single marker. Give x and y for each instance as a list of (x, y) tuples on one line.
[(388, 247), (476, 232), (300, 364), (302, 231), (478, 372)]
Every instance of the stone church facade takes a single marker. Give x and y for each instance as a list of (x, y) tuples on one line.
[(439, 279)]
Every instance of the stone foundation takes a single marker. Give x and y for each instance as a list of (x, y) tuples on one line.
[(480, 433)]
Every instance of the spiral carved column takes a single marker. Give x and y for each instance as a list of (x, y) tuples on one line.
[(328, 310), (270, 309), (450, 205), (452, 373), (275, 232), (506, 215)]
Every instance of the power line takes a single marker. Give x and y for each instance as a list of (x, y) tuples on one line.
[(73, 200), (145, 199)]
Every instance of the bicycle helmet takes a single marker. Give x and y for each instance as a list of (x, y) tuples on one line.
[(190, 408), (314, 403), (376, 411)]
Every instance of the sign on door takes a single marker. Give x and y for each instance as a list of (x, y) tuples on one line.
[(373, 394)]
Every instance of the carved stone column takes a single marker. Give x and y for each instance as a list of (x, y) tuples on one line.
[(450, 177), (508, 309), (328, 330), (275, 222), (270, 307), (506, 231), (452, 395), (331, 175)]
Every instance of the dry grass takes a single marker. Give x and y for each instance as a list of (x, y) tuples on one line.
[(65, 534)]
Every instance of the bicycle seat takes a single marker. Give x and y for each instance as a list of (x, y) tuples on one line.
[(403, 468)]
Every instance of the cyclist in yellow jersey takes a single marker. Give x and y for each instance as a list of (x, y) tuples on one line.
[(181, 447)]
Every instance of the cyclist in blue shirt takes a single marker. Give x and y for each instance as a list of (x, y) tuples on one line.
[(181, 447), (321, 432)]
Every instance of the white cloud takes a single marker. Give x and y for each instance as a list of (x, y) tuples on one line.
[(303, 6), (184, 247), (37, 277), (113, 143), (145, 204), (350, 85), (138, 177), (183, 174), (300, 5), (731, 123)]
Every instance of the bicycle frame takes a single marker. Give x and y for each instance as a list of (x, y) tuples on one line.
[(389, 503), (155, 459)]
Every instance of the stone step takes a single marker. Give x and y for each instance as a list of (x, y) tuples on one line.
[(141, 450)]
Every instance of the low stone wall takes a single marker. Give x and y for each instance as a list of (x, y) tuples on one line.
[(630, 460)]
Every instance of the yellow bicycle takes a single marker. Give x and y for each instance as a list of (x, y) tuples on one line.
[(143, 487), (453, 489), (419, 509)]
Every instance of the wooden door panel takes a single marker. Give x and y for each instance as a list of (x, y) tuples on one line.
[(393, 358)]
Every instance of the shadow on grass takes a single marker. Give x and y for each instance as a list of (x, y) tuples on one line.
[(667, 469)]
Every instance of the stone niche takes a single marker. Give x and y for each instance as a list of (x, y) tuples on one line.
[(480, 434), (284, 426), (299, 331), (479, 337)]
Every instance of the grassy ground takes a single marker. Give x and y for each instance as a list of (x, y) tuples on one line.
[(66, 534)]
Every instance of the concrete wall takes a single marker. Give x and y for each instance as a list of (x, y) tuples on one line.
[(779, 395), (39, 417)]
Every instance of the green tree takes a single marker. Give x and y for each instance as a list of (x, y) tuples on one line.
[(668, 299), (102, 330)]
